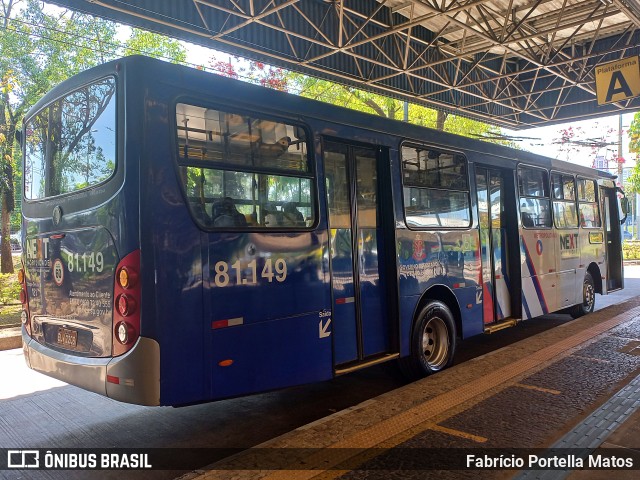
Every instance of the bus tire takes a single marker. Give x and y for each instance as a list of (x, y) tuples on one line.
[(588, 298), (433, 341)]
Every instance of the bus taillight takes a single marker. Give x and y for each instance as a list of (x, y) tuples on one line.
[(126, 305), (25, 318), (127, 277), (125, 333), (126, 315)]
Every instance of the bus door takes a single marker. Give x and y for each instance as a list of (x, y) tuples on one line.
[(359, 311), (494, 245), (613, 238)]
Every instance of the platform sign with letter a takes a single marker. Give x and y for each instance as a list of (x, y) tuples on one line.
[(619, 80)]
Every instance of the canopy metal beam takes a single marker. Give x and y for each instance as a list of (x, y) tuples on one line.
[(518, 64)]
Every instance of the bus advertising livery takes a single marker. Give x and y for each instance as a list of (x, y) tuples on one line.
[(189, 237)]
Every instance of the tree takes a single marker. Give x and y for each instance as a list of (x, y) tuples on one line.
[(349, 97), (154, 45), (633, 183), (257, 73), (39, 49)]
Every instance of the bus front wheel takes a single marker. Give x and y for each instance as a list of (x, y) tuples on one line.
[(588, 298), (433, 341)]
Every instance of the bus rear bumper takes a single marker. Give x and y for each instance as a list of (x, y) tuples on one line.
[(133, 377)]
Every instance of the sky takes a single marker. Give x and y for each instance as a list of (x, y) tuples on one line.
[(603, 129)]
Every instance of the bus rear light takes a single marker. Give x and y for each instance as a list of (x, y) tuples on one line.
[(21, 276), (127, 301), (125, 333), (127, 277), (23, 297), (126, 305)]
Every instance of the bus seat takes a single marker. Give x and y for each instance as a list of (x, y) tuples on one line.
[(250, 219), (291, 216), (225, 214), (200, 212)]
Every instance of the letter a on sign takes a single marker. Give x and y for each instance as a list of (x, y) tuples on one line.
[(617, 81)]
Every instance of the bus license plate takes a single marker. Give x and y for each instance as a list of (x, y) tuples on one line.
[(67, 338)]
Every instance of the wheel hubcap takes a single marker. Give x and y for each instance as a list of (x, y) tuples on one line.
[(435, 343), (589, 296)]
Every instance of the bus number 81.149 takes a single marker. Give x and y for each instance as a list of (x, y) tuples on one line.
[(222, 277)]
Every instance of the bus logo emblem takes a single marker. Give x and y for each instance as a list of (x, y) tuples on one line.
[(57, 214), (418, 249)]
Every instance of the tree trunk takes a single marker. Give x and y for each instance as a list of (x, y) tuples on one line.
[(440, 119), (6, 264), (6, 189)]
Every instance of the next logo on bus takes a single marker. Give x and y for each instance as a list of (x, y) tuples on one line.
[(569, 243), (38, 248)]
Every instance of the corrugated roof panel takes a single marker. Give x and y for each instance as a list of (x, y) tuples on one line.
[(479, 59)]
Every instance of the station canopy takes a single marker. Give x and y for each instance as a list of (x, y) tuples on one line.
[(514, 63)]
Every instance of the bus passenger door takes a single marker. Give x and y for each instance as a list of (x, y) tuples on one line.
[(360, 330), (494, 246), (613, 238)]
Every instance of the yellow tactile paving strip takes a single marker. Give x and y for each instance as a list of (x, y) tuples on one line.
[(538, 389), (393, 431)]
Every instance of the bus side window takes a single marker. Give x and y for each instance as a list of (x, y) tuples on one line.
[(535, 205), (588, 204), (234, 167), (435, 188)]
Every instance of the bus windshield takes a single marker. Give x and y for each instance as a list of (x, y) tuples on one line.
[(71, 143)]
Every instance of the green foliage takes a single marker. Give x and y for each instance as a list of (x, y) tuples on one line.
[(154, 45), (350, 97), (633, 182), (10, 315), (367, 102), (631, 249), (634, 135), (9, 288), (40, 48)]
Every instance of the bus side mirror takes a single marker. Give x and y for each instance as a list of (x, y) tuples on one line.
[(625, 208), (19, 137)]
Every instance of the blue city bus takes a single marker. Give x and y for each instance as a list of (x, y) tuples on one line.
[(189, 237)]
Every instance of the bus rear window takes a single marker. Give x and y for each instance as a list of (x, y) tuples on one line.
[(70, 144), (241, 171)]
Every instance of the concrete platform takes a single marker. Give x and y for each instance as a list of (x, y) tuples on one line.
[(575, 388), (10, 338)]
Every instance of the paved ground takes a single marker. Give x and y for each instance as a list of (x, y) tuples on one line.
[(534, 394), (36, 411)]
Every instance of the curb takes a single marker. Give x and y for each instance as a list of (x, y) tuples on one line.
[(10, 338)]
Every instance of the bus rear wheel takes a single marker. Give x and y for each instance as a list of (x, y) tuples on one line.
[(588, 298), (433, 341)]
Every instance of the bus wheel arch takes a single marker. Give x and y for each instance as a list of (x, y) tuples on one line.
[(434, 332), (594, 270), (589, 290)]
